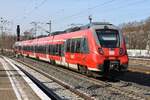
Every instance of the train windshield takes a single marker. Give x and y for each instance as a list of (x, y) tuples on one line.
[(108, 38)]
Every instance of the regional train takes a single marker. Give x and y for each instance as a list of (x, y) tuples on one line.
[(96, 47)]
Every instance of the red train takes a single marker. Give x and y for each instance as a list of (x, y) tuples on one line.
[(93, 47)]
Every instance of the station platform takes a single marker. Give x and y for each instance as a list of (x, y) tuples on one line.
[(13, 86), (6, 89)]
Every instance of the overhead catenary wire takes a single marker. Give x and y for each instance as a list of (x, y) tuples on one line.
[(100, 5), (36, 7), (128, 5), (94, 7), (82, 13), (73, 15)]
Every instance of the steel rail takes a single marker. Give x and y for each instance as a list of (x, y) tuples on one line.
[(72, 89), (107, 85)]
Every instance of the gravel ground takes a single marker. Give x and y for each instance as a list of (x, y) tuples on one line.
[(97, 91), (139, 62)]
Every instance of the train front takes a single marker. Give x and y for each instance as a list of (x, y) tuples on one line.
[(111, 48)]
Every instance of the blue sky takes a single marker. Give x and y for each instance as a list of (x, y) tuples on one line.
[(65, 12)]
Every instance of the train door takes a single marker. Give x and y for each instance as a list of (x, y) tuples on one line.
[(34, 50), (84, 51), (63, 62), (47, 52)]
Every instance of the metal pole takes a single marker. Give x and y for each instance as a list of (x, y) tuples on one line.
[(18, 32), (2, 33), (35, 27), (50, 24), (90, 19)]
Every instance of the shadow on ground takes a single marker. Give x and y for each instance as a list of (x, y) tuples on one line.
[(136, 77)]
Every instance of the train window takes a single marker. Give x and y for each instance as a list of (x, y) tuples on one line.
[(41, 49), (56, 49), (78, 45), (51, 49), (84, 46), (72, 45), (25, 48), (31, 48), (36, 49), (59, 49), (62, 50), (108, 38), (68, 46), (19, 47), (44, 49), (28, 48)]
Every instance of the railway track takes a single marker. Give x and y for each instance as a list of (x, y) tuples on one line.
[(68, 92), (141, 65), (119, 90)]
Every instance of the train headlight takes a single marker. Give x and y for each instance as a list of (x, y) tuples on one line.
[(101, 51), (121, 51)]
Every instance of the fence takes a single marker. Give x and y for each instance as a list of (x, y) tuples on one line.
[(138, 53)]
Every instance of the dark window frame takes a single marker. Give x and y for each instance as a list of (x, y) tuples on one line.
[(84, 46)]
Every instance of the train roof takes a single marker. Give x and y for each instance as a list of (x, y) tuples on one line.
[(93, 25), (96, 24), (77, 28)]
